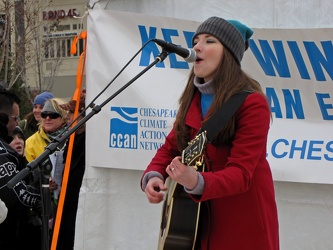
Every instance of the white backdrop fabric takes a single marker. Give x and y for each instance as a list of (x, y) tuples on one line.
[(113, 211), (292, 65)]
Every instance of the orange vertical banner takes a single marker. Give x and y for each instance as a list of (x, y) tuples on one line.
[(76, 97)]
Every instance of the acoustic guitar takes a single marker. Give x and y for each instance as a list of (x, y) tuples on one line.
[(180, 214)]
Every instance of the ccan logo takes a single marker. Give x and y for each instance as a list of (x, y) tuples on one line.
[(124, 128)]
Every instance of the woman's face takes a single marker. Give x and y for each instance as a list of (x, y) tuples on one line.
[(209, 55), (51, 121), (69, 117), (17, 144), (37, 110)]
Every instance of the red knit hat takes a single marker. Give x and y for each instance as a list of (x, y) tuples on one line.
[(70, 106)]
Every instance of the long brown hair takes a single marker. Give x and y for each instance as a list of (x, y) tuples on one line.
[(229, 80)]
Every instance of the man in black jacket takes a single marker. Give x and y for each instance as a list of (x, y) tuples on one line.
[(21, 197)]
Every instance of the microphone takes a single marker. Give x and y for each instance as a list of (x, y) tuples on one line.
[(189, 55)]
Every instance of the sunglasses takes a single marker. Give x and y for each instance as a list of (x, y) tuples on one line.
[(16, 118), (51, 115)]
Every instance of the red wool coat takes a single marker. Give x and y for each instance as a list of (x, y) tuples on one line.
[(238, 203)]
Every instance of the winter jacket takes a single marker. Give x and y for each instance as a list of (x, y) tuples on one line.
[(22, 194), (18, 200), (77, 167), (238, 209), (35, 145)]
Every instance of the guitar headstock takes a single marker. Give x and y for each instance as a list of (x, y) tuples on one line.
[(195, 149)]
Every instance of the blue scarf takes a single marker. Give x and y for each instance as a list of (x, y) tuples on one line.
[(207, 94)]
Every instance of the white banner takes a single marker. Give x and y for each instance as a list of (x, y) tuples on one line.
[(295, 68)]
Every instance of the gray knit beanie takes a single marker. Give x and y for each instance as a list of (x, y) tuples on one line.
[(48, 107), (232, 34)]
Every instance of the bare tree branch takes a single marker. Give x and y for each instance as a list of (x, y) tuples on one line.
[(27, 45)]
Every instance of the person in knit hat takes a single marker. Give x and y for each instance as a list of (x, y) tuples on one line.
[(70, 108), (30, 123), (236, 192), (18, 142), (53, 124), (77, 168), (232, 34), (42, 98)]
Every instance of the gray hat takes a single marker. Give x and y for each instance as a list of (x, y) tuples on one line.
[(232, 34), (48, 107)]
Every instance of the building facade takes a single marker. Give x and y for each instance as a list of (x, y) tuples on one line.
[(61, 20)]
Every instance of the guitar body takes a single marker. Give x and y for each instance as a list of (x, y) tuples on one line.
[(180, 218), (180, 214)]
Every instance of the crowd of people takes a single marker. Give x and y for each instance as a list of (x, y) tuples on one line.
[(22, 141)]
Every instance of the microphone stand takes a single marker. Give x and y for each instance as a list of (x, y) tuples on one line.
[(44, 175), (51, 148)]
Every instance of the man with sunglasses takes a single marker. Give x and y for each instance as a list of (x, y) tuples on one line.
[(21, 197), (9, 105)]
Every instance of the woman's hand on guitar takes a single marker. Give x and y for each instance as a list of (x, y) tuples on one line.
[(183, 174), (153, 188)]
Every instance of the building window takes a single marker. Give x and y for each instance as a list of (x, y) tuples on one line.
[(61, 47), (63, 27), (58, 40)]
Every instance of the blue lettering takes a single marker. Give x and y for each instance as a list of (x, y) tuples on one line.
[(318, 60), (293, 104), (274, 147), (295, 51), (295, 148), (188, 38), (151, 47), (268, 58), (281, 149), (174, 63), (323, 106), (313, 149), (274, 102), (150, 145), (329, 148)]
